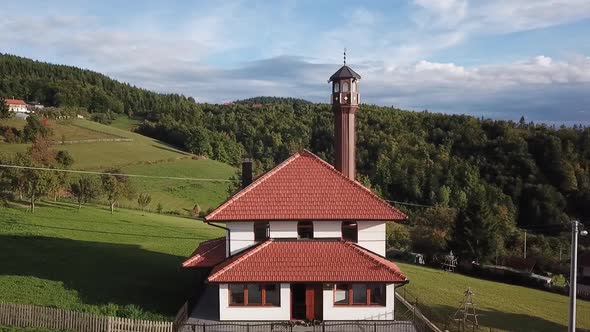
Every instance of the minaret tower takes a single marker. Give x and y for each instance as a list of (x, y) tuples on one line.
[(345, 100)]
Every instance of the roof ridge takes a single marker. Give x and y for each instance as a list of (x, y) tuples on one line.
[(368, 255), (356, 183), (240, 259), (253, 184)]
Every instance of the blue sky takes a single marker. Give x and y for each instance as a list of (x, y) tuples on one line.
[(492, 58)]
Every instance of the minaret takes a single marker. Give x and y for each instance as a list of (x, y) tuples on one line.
[(345, 100)]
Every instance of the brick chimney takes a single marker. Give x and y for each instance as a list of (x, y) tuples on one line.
[(246, 172)]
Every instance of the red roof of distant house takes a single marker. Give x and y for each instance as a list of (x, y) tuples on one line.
[(304, 187), (307, 261), (14, 102), (207, 254)]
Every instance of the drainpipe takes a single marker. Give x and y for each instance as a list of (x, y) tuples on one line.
[(227, 235)]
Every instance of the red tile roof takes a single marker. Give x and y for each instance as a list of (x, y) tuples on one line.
[(14, 102), (307, 261), (207, 254), (304, 187)]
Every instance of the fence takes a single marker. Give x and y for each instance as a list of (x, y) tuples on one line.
[(351, 326), (416, 312), (21, 315)]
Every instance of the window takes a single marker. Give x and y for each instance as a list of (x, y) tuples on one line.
[(236, 294), (350, 231), (345, 87), (254, 295), (359, 294), (341, 294), (261, 231), (305, 230), (377, 294), (353, 87), (336, 87)]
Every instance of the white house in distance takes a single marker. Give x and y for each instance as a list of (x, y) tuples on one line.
[(17, 106), (305, 241)]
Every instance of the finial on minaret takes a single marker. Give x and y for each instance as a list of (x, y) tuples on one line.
[(345, 56)]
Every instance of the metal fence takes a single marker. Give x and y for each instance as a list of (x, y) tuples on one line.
[(348, 326)]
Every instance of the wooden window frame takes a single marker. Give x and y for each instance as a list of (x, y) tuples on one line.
[(262, 296), (351, 299)]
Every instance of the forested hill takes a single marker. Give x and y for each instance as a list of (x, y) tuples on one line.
[(492, 175), (58, 85)]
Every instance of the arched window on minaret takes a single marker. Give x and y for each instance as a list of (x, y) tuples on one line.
[(345, 87), (353, 86), (336, 87)]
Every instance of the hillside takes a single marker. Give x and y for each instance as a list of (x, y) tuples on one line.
[(142, 155), (93, 261), (501, 307)]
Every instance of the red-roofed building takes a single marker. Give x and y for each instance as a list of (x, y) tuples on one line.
[(17, 105), (305, 241)]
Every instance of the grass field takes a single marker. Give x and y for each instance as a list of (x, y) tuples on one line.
[(501, 306), (63, 130), (123, 122), (146, 156), (86, 259), (178, 195), (109, 154)]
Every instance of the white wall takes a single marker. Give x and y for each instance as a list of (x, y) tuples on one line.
[(241, 237), (283, 229), (254, 313), (372, 236), (334, 312), (327, 229)]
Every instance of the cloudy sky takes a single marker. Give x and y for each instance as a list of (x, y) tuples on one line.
[(491, 58)]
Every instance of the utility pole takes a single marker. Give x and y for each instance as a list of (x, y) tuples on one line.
[(573, 274), (524, 251)]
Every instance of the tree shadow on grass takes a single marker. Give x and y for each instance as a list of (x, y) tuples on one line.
[(504, 321), (101, 273)]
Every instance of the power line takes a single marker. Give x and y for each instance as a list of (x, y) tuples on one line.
[(114, 174), (411, 204)]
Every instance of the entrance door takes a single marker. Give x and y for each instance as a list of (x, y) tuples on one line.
[(306, 301), (298, 299)]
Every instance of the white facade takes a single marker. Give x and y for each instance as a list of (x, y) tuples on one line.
[(336, 312), (227, 312), (283, 312), (241, 236), (371, 234), (17, 108)]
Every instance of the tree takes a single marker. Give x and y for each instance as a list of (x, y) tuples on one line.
[(4, 110), (34, 128), (64, 160), (433, 231), (143, 200), (85, 190), (115, 187), (398, 236), (159, 208)]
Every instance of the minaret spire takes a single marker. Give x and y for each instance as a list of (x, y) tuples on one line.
[(345, 99)]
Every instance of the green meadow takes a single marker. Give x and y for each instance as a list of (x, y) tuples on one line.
[(128, 263)]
